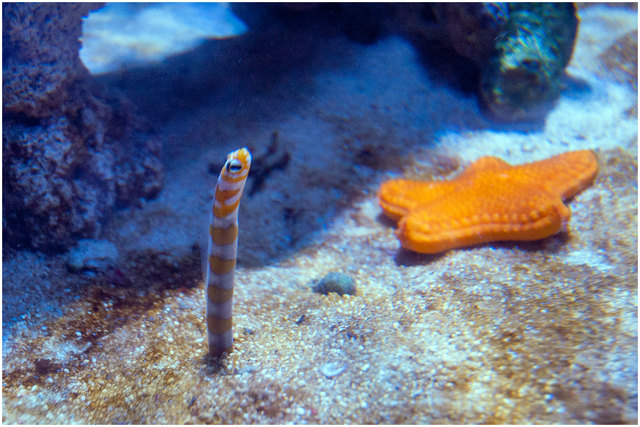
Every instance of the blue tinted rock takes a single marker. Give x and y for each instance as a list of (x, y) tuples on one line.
[(91, 254), (339, 283), (72, 150)]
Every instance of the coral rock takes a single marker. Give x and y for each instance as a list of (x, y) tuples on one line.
[(71, 151)]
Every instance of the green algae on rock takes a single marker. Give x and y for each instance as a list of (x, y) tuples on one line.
[(522, 50), (531, 53)]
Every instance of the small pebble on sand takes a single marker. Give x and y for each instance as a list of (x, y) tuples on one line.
[(339, 283)]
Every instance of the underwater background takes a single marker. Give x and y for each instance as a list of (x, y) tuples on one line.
[(117, 120)]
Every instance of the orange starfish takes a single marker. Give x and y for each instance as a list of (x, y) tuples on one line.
[(491, 200)]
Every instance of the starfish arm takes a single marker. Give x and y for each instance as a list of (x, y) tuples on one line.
[(398, 197), (566, 174), (488, 211), (484, 164)]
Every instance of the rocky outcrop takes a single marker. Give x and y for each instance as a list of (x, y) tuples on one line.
[(71, 150)]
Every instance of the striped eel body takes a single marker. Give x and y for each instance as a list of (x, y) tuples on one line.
[(222, 251)]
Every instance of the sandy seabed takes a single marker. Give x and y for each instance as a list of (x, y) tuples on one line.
[(541, 332)]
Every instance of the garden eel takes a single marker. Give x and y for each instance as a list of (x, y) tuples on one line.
[(222, 251)]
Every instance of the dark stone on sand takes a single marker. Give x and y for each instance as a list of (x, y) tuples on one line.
[(339, 283), (91, 254)]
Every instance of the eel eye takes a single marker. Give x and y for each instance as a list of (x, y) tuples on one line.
[(234, 166)]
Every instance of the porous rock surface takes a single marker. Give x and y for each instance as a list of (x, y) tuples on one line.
[(71, 152)]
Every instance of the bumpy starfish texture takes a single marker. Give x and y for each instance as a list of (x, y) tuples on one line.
[(491, 200)]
